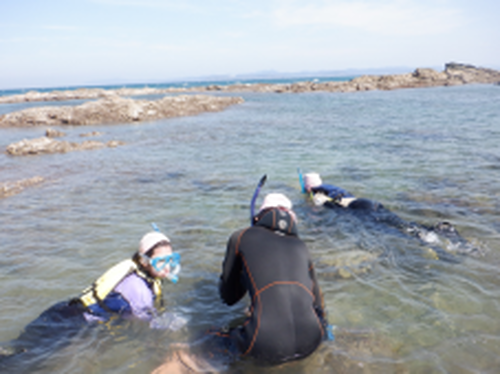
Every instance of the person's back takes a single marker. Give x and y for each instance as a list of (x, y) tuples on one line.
[(273, 264)]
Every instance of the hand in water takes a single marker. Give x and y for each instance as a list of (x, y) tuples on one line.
[(167, 320), (319, 199)]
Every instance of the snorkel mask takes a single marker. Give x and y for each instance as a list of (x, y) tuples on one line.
[(173, 261)]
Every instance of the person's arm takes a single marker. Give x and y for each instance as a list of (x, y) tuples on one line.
[(332, 191), (318, 297), (231, 288)]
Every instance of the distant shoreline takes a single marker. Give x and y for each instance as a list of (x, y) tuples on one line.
[(454, 74)]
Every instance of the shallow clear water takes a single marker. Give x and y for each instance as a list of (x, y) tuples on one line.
[(428, 155)]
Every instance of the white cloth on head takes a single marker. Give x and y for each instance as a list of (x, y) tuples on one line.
[(276, 200), (149, 240), (312, 180)]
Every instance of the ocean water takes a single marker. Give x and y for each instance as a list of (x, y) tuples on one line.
[(429, 155)]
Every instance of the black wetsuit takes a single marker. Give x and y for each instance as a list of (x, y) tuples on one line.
[(270, 262), (378, 213)]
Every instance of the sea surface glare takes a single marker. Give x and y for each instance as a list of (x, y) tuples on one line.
[(428, 154)]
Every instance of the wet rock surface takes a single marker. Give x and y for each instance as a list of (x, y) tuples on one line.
[(116, 109), (347, 264), (53, 133), (46, 145), (11, 188)]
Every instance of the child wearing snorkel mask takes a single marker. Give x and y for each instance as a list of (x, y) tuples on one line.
[(130, 289)]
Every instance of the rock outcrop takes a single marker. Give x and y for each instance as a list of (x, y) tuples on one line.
[(46, 145), (453, 74), (78, 94), (52, 133), (116, 109), (15, 187)]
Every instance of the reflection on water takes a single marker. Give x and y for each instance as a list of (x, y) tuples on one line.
[(429, 155)]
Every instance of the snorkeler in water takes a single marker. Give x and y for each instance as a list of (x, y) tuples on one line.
[(130, 289), (335, 197)]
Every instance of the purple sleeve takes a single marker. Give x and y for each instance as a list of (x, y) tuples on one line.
[(139, 295)]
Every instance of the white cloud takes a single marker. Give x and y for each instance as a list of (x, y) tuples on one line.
[(396, 17)]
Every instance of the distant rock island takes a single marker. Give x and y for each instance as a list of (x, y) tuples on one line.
[(453, 74)]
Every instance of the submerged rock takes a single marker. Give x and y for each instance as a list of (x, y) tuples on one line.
[(46, 145), (92, 133), (14, 187), (347, 264), (116, 109), (357, 351)]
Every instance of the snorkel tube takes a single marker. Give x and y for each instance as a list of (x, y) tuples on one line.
[(301, 181), (254, 197)]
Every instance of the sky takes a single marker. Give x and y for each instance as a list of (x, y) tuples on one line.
[(60, 43)]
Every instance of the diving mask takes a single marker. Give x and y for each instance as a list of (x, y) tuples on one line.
[(173, 261)]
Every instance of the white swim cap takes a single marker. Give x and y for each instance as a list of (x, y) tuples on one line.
[(312, 180), (276, 200), (151, 239)]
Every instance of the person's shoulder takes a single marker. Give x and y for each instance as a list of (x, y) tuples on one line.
[(132, 283), (236, 234)]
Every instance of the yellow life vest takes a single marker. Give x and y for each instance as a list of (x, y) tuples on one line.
[(98, 290)]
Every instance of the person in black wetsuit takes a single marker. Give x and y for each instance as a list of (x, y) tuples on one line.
[(270, 262), (333, 196)]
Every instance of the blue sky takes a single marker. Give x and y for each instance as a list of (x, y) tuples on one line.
[(51, 43)]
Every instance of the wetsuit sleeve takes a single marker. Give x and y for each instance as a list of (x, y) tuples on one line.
[(318, 297), (231, 287), (331, 191)]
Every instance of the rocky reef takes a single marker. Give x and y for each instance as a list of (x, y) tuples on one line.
[(116, 109), (453, 74), (11, 188), (46, 145)]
